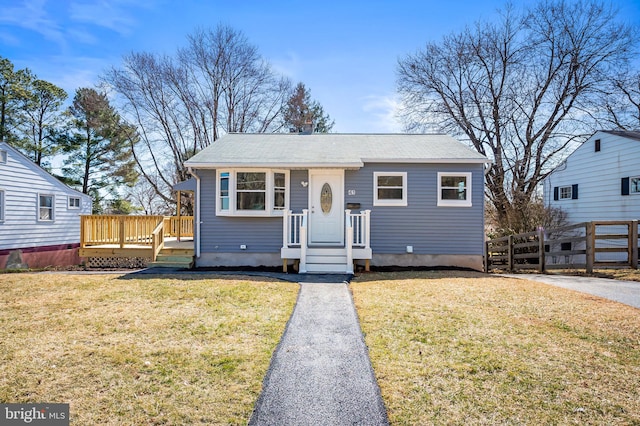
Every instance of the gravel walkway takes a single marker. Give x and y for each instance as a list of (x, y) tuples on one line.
[(320, 373)]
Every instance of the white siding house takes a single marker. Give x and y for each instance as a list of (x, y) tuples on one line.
[(39, 215), (600, 180)]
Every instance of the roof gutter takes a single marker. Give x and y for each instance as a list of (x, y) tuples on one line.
[(289, 165)]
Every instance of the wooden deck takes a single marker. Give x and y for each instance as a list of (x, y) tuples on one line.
[(171, 246), (110, 236)]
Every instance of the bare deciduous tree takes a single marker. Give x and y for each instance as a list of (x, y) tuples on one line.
[(217, 84), (622, 103), (517, 90)]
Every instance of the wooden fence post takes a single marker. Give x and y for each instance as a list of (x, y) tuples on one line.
[(121, 231), (541, 253), (633, 236), (510, 253), (487, 261), (591, 246)]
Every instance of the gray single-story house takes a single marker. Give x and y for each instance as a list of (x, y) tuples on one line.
[(326, 201)]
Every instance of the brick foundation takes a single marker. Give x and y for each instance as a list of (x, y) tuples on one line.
[(41, 257)]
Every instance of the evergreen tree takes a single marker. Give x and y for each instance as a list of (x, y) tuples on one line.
[(304, 114), (12, 91), (99, 145), (40, 120)]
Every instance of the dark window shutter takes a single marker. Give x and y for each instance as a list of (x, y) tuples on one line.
[(555, 193), (574, 192), (624, 186)]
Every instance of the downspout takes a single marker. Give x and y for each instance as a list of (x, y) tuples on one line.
[(196, 212)]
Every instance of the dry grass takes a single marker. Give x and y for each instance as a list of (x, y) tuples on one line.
[(140, 351), (468, 348)]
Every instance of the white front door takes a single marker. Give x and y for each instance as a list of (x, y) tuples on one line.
[(326, 210)]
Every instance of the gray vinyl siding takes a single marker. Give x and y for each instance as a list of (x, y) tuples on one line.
[(225, 234), (22, 181), (422, 224), (299, 196)]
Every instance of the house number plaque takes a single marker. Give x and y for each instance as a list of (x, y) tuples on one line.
[(326, 198)]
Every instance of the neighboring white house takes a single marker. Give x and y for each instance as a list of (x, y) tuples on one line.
[(600, 180), (39, 215)]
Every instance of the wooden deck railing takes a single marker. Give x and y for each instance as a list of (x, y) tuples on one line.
[(585, 246), (133, 230), (179, 226)]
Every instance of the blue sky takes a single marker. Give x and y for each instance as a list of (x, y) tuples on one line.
[(344, 51)]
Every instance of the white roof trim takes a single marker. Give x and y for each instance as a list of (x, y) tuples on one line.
[(43, 173), (428, 160), (348, 165), (254, 165)]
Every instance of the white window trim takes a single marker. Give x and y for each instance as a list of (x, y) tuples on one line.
[(53, 208), (2, 204), (70, 207), (455, 203), (3, 156), (269, 196), (630, 187), (570, 197), (390, 203)]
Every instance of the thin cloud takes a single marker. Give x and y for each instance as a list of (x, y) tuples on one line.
[(33, 16), (110, 15), (384, 110)]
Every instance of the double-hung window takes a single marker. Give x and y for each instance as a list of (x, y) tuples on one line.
[(279, 190), (389, 188), (74, 203), (3, 156), (566, 192), (46, 208), (252, 192), (454, 189), (631, 185), (634, 185)]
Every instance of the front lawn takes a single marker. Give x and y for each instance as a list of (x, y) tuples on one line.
[(469, 348), (170, 350)]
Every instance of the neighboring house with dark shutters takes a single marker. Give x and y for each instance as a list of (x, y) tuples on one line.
[(600, 180), (39, 215), (324, 201)]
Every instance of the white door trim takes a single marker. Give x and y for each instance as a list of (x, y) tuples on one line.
[(317, 177)]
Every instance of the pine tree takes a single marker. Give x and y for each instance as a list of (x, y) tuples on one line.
[(303, 114), (99, 145)]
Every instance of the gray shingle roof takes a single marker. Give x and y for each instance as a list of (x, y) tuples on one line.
[(331, 150)]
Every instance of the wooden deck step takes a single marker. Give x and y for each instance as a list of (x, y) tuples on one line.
[(172, 261)]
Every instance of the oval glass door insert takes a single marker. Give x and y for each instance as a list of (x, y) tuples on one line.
[(326, 198)]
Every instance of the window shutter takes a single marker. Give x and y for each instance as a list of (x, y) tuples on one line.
[(574, 192), (624, 186), (555, 193)]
